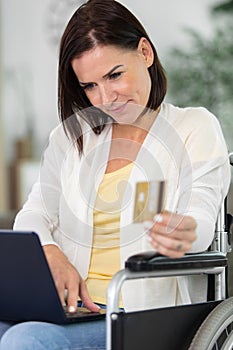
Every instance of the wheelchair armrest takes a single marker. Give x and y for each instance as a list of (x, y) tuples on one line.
[(231, 158), (229, 227), (152, 261)]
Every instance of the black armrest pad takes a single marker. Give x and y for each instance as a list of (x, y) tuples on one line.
[(151, 261)]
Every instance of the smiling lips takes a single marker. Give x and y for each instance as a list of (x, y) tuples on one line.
[(117, 108)]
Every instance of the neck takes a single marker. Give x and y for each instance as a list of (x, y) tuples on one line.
[(138, 130)]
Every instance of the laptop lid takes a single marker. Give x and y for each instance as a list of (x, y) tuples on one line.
[(28, 291)]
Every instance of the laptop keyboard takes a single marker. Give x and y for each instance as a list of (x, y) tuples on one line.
[(82, 312)]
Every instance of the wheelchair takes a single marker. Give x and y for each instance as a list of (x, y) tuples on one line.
[(200, 326)]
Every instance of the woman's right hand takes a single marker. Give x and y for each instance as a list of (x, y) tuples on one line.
[(66, 277)]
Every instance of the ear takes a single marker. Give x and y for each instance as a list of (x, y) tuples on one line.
[(144, 47)]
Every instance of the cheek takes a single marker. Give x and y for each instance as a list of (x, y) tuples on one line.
[(93, 98), (127, 86), (140, 83), (144, 85)]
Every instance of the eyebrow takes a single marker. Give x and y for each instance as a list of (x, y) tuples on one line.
[(112, 70), (105, 75)]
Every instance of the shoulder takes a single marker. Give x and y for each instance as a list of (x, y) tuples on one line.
[(199, 130), (195, 117), (58, 139), (192, 120)]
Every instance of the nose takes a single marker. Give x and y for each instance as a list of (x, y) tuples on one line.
[(107, 95)]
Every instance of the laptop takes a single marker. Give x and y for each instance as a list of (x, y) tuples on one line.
[(27, 288)]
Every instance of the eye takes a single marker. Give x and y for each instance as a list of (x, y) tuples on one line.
[(115, 75), (88, 86)]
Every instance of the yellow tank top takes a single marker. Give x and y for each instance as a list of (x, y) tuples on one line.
[(105, 256)]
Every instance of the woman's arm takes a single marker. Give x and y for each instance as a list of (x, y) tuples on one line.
[(203, 185), (41, 214)]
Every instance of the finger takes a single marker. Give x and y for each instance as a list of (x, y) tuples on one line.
[(60, 289), (174, 250), (177, 221), (167, 252), (61, 293), (174, 234), (84, 295), (72, 299), (72, 281), (170, 244)]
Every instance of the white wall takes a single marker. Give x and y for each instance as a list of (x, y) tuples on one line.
[(3, 196), (165, 19), (30, 58), (29, 81)]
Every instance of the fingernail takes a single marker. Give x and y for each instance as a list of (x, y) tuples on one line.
[(71, 309), (147, 225), (149, 238), (158, 218)]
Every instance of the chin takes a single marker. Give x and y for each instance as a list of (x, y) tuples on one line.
[(125, 121)]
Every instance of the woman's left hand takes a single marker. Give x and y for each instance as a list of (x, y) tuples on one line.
[(172, 234)]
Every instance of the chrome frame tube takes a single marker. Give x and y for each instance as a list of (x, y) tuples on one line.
[(115, 285)]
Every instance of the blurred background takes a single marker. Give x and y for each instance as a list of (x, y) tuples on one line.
[(194, 42)]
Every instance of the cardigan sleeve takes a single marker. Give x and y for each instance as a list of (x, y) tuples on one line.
[(205, 184), (40, 211)]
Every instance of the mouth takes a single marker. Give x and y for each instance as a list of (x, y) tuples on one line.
[(117, 108)]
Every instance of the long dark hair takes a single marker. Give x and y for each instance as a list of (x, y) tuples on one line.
[(104, 22)]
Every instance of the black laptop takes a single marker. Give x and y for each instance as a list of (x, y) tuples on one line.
[(27, 289)]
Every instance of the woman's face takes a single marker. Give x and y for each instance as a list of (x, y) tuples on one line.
[(116, 80)]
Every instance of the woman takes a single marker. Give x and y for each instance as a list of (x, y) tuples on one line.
[(116, 130)]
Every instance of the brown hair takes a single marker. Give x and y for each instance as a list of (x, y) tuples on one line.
[(104, 22)]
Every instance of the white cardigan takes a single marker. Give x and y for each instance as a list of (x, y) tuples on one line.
[(184, 146)]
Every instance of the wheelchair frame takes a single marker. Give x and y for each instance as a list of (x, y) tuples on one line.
[(216, 321)]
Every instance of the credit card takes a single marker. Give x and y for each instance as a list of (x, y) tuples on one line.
[(149, 200)]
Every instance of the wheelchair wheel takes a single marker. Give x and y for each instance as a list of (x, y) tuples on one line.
[(216, 332)]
